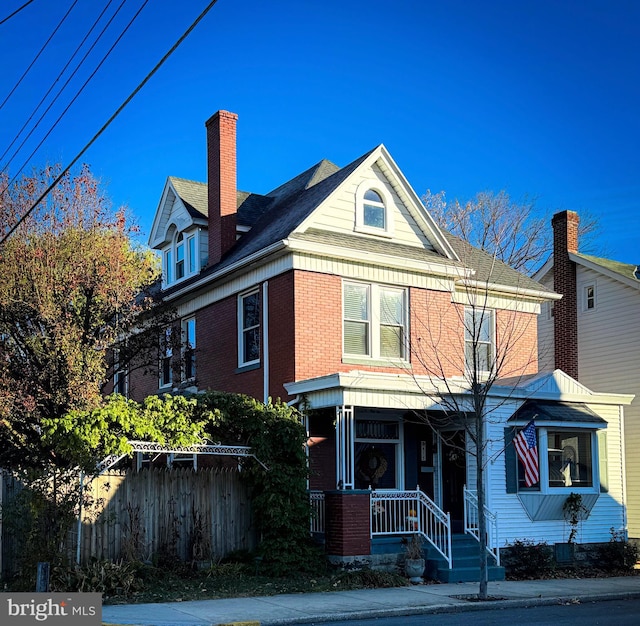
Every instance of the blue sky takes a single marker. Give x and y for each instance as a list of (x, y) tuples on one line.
[(539, 98)]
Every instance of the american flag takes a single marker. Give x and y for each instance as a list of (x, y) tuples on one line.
[(526, 445)]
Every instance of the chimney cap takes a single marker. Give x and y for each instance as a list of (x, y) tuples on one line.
[(221, 113)]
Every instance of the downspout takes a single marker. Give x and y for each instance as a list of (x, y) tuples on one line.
[(265, 340), (625, 515)]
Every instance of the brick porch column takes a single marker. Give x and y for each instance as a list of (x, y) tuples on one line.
[(348, 523)]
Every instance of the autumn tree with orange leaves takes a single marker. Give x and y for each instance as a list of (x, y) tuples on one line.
[(72, 283)]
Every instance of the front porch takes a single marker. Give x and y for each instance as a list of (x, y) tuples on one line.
[(391, 518)]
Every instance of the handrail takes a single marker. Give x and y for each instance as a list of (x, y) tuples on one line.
[(471, 523), (401, 512)]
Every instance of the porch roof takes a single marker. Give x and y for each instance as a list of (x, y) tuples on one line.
[(558, 413)]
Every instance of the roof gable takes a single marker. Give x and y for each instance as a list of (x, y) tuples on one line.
[(412, 224), (621, 272)]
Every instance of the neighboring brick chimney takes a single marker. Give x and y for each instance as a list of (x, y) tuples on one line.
[(221, 174), (565, 311)]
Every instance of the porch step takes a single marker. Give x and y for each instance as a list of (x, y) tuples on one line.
[(465, 563)]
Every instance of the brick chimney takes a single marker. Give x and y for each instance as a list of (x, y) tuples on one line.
[(221, 174), (565, 311)]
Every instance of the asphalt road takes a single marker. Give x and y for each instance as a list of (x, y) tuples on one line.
[(606, 613)]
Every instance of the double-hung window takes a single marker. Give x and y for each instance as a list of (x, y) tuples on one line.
[(189, 348), (374, 321), (180, 257), (249, 328), (479, 346)]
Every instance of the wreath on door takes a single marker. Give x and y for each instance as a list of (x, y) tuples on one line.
[(372, 465)]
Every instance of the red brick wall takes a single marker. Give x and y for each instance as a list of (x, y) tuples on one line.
[(222, 198), (565, 311), (517, 340), (437, 333), (318, 324), (348, 521), (217, 352), (282, 356)]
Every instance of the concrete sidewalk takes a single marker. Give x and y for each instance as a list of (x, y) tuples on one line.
[(341, 605)]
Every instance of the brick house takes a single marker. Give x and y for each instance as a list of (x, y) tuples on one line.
[(338, 292)]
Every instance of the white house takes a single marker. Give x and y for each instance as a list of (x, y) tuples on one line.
[(593, 333)]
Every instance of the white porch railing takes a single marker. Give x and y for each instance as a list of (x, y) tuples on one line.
[(317, 511), (472, 525), (402, 512)]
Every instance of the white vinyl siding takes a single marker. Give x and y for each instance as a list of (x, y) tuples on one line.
[(608, 360), (515, 523), (340, 214)]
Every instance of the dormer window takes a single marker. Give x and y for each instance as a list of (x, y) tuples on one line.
[(180, 257), (373, 209)]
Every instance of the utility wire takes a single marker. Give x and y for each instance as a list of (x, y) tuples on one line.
[(133, 94), (66, 109), (13, 156), (39, 53), (6, 19)]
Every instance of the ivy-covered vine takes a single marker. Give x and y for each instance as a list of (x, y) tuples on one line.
[(280, 502)]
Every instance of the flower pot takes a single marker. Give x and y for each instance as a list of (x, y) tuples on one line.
[(413, 569)]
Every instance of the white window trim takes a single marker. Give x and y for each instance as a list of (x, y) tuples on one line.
[(241, 329), (379, 188), (169, 269), (543, 462), (492, 321), (398, 443), (585, 299), (373, 325)]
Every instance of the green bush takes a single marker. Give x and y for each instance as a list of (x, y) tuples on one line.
[(527, 559), (617, 555)]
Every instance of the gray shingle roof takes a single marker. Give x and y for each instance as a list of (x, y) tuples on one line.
[(549, 411), (273, 217), (491, 270)]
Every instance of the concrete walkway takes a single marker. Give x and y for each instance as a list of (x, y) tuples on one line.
[(341, 605)]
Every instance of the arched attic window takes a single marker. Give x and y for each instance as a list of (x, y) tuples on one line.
[(373, 209)]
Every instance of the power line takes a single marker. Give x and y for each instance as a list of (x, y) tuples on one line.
[(6, 19), (39, 53), (53, 84), (133, 94), (15, 153)]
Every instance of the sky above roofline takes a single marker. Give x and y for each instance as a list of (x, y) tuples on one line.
[(537, 98)]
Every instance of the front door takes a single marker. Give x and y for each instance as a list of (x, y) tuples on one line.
[(454, 476), (419, 468)]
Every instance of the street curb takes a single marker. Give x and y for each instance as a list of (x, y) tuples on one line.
[(463, 607)]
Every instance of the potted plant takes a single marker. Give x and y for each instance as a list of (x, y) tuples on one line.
[(414, 559), (574, 511)]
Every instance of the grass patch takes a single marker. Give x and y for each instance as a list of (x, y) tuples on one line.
[(237, 580)]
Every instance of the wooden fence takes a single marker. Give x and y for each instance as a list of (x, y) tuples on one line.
[(158, 512)]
